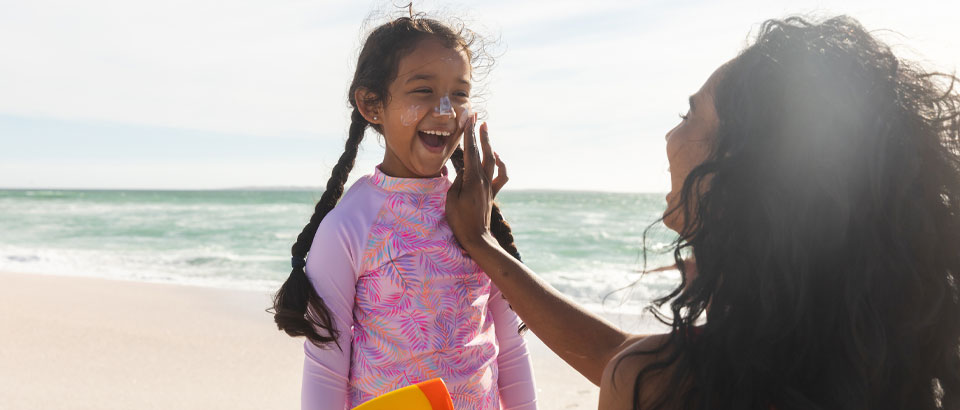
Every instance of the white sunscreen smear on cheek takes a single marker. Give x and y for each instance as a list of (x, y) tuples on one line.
[(464, 116), (410, 116)]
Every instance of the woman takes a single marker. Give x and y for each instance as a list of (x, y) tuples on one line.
[(816, 183)]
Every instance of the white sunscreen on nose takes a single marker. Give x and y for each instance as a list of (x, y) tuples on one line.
[(444, 107)]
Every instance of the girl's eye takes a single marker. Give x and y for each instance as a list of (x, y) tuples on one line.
[(422, 90), (684, 116), (462, 94)]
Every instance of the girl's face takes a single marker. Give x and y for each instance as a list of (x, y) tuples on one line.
[(421, 121), (688, 145)]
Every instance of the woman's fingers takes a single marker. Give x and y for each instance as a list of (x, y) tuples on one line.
[(502, 177), (471, 155), (457, 184), (468, 206), (488, 159)]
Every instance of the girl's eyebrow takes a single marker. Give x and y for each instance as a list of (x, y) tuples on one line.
[(691, 103), (427, 77), (418, 77)]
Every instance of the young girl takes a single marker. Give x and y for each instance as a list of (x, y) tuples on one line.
[(387, 297)]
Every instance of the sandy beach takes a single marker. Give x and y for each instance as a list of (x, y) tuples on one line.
[(86, 343)]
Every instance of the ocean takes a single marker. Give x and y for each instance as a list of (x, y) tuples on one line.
[(588, 245)]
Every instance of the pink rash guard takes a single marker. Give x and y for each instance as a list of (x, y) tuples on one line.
[(409, 304)]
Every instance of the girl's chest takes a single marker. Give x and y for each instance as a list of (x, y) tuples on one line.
[(412, 251)]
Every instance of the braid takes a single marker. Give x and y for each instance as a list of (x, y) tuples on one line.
[(297, 298), (501, 230), (498, 226)]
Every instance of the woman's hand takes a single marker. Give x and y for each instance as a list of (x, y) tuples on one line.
[(581, 338), (470, 198)]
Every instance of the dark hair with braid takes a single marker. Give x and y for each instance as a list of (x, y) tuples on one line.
[(298, 309), (827, 240)]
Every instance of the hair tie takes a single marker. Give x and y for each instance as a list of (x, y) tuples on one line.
[(298, 263)]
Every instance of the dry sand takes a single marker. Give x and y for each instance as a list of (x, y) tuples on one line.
[(85, 343)]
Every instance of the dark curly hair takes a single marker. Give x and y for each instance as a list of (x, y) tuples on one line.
[(297, 308), (827, 237)]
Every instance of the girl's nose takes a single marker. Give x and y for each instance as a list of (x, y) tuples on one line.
[(444, 108)]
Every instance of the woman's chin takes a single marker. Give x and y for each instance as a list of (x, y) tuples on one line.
[(672, 221)]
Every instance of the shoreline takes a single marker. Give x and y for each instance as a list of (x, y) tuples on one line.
[(80, 342), (610, 309)]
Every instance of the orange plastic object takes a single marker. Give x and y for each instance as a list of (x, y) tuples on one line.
[(429, 395)]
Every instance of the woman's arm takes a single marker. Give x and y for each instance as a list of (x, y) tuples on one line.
[(583, 339)]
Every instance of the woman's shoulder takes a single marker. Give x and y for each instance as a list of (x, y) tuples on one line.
[(618, 385)]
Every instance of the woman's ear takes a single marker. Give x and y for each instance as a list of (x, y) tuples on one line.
[(367, 103)]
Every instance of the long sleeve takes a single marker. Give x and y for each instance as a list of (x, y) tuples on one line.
[(331, 268), (517, 389)]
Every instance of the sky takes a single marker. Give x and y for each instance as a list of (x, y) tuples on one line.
[(205, 94)]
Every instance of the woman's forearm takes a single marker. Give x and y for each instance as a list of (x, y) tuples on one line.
[(582, 339)]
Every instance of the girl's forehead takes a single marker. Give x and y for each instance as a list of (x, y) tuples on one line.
[(433, 57)]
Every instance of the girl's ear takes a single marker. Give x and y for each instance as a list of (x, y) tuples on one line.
[(368, 106)]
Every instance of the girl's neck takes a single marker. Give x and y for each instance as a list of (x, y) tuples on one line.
[(392, 167), (415, 185)]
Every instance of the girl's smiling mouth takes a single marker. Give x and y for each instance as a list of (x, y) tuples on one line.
[(434, 140)]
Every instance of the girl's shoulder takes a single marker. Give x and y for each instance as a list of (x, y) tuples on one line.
[(356, 210), (361, 196), (362, 187)]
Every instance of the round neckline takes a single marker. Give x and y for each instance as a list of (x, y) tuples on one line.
[(410, 185)]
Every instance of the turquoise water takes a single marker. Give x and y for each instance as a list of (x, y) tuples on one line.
[(585, 244)]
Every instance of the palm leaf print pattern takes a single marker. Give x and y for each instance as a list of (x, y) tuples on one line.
[(421, 304)]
